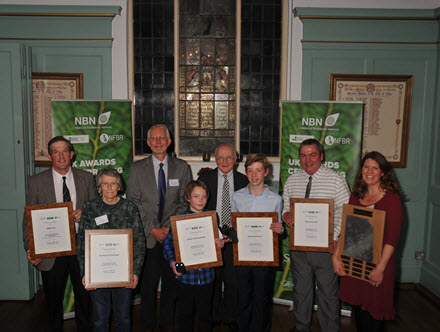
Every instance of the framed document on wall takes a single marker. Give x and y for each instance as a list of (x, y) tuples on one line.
[(387, 108), (361, 240), (51, 230), (45, 87), (313, 229), (257, 243), (194, 237), (108, 258)]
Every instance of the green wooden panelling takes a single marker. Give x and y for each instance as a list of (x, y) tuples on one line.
[(43, 44), (322, 24), (421, 60), (74, 10), (14, 276)]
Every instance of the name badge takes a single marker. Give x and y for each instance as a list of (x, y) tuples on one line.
[(101, 220), (173, 182)]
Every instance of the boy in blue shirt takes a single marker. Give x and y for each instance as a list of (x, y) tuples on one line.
[(195, 286), (255, 283)]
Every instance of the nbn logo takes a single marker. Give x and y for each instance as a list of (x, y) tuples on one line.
[(311, 122), (85, 120)]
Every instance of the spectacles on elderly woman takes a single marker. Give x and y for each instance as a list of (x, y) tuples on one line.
[(112, 184)]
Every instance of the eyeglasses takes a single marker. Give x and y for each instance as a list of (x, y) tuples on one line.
[(221, 159), (160, 138), (106, 185)]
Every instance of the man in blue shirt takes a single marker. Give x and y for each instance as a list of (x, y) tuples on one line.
[(255, 283)]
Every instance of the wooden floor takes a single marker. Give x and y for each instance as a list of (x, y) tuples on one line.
[(417, 310)]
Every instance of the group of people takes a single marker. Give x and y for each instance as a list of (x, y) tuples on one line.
[(161, 186)]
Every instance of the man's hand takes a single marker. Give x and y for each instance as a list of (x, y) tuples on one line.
[(135, 282), (33, 261), (276, 227), (220, 242), (76, 215), (160, 233), (173, 267), (288, 219)]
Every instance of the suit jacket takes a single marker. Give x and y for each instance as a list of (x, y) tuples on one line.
[(211, 181), (41, 191), (142, 190)]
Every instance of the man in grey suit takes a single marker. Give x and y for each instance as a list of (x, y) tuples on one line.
[(156, 184), (49, 187)]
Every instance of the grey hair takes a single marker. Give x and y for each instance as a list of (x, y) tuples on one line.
[(225, 145), (109, 172), (159, 126)]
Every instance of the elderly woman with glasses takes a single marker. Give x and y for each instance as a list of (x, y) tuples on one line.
[(111, 211)]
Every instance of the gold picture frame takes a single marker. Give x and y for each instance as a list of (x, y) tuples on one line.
[(51, 230), (253, 219), (45, 87), (311, 210), (201, 228), (108, 258), (387, 109)]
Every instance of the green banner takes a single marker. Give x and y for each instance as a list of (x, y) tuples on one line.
[(100, 132), (338, 127)]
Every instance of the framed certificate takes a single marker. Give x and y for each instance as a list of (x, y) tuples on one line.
[(361, 240), (45, 87), (313, 230), (387, 108), (51, 230), (194, 237), (108, 258), (258, 244)]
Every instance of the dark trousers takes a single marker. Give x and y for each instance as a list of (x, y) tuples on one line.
[(225, 309), (101, 299), (54, 284), (255, 285), (365, 322), (195, 298), (155, 267)]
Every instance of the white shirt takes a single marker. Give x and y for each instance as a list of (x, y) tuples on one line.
[(326, 183), (58, 184)]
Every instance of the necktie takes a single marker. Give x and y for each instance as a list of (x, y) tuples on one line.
[(226, 203), (309, 187), (66, 192), (162, 189)]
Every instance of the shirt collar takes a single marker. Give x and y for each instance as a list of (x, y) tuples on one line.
[(58, 177), (264, 194), (229, 174), (157, 162)]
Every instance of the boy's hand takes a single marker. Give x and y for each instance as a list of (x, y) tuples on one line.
[(276, 227), (173, 267), (288, 219), (220, 242)]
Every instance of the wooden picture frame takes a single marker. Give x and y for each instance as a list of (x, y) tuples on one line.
[(364, 228), (387, 109), (51, 230), (261, 238), (201, 228), (108, 258), (45, 87), (321, 240)]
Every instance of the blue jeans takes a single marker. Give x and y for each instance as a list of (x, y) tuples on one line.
[(121, 298)]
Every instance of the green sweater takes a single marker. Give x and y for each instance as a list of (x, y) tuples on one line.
[(122, 215)]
